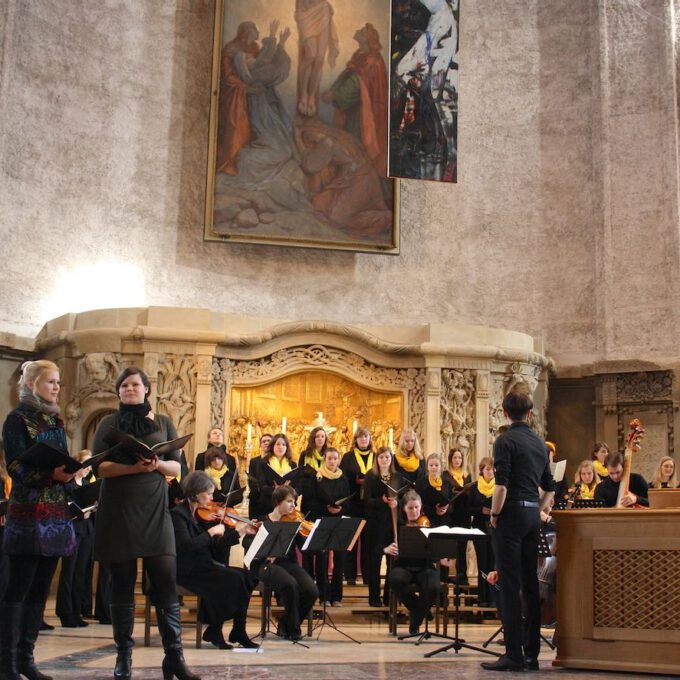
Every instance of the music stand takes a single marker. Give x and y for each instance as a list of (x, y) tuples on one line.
[(273, 539), (333, 533), (442, 544)]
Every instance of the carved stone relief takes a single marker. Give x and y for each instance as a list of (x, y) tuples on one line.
[(457, 410), (96, 375), (176, 390), (644, 387)]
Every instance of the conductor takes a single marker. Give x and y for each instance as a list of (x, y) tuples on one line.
[(522, 465)]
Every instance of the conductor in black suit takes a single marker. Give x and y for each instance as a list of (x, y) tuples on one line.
[(522, 465)]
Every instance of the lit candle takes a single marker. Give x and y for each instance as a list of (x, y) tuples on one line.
[(391, 437), (249, 434), (283, 425), (355, 424)]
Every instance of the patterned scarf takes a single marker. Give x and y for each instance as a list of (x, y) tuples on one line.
[(37, 403)]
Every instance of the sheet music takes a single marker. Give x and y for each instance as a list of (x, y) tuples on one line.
[(452, 530), (311, 533), (558, 469), (260, 538)]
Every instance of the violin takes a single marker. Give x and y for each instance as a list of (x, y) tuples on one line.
[(221, 514), (422, 522), (296, 516)]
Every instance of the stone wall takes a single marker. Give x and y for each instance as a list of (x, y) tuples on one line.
[(563, 224)]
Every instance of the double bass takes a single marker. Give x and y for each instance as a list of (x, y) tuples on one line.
[(632, 446)]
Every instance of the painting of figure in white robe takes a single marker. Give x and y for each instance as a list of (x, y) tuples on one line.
[(300, 116)]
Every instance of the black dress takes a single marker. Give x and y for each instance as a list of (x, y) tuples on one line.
[(430, 498), (483, 549), (459, 516), (412, 477), (133, 519), (224, 591)]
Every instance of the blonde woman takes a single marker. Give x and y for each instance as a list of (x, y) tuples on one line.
[(408, 459), (665, 476), (38, 529), (585, 479)]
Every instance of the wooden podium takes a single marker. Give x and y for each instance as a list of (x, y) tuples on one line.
[(618, 590)]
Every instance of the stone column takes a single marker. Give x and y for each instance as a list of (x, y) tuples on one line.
[(203, 388), (151, 369), (482, 387), (432, 441)]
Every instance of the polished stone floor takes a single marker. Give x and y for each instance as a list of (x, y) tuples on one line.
[(88, 653)]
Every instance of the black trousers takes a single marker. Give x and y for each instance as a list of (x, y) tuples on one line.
[(378, 536), (29, 579), (317, 565), (516, 548), (73, 580), (418, 589), (294, 587)]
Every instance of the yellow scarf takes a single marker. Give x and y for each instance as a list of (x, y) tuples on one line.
[(435, 483), (216, 475), (325, 473), (280, 465), (408, 463), (458, 477), (364, 461), (600, 469), (486, 488), (314, 459), (587, 493)]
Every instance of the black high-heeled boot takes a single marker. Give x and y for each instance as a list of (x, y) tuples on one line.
[(171, 635), (10, 620), (123, 621), (31, 619), (240, 635)]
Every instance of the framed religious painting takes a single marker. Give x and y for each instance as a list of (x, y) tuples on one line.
[(424, 90), (298, 125)]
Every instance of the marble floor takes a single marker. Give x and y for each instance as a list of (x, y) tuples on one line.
[(88, 653)]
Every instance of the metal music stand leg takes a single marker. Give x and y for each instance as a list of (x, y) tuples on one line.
[(458, 643), (493, 637), (327, 620), (427, 634)]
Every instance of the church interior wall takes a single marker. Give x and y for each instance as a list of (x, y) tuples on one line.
[(563, 225)]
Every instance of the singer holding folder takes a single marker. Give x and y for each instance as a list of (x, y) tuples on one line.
[(293, 586), (38, 529), (277, 468), (133, 520)]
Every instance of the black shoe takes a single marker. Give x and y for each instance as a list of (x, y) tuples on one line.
[(213, 635), (375, 603), (123, 618), (68, 622), (28, 634), (241, 637), (170, 629), (503, 663), (82, 623), (46, 626), (530, 664)]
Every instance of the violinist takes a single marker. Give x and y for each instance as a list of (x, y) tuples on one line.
[(408, 459), (608, 489), (355, 465), (586, 480), (415, 580), (665, 476), (255, 508), (458, 475), (480, 507), (225, 591), (380, 504), (276, 462), (330, 485), (599, 455), (293, 586), (222, 470), (431, 488)]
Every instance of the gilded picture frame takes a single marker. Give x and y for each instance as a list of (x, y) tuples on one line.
[(297, 150)]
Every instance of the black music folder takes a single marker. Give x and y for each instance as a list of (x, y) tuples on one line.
[(48, 456), (273, 539), (130, 443), (436, 543), (334, 533), (84, 499), (329, 501), (273, 478)]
